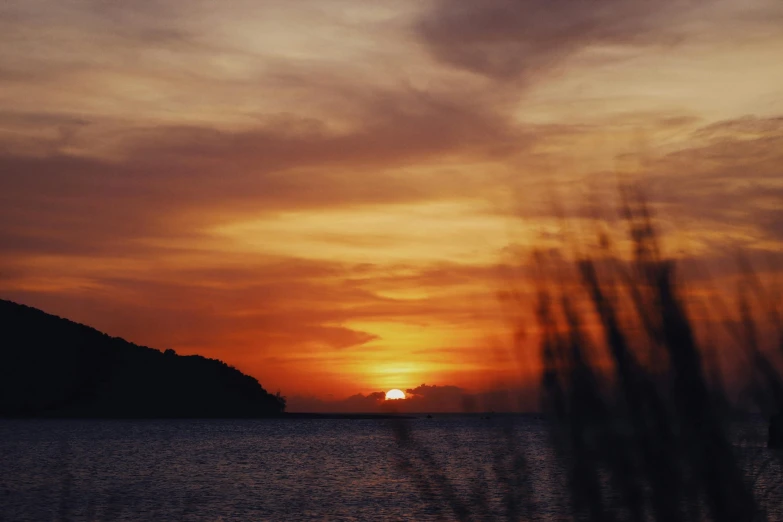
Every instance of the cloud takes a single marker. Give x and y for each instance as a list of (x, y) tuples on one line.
[(512, 39), (399, 127), (526, 40), (358, 403), (262, 306), (727, 180), (138, 217), (436, 398), (173, 182), (286, 164), (426, 399)]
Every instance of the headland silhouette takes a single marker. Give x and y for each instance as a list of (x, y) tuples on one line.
[(53, 367)]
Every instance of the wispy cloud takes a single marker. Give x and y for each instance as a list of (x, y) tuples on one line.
[(525, 40)]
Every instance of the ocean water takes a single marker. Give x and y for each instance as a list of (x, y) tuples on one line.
[(293, 469)]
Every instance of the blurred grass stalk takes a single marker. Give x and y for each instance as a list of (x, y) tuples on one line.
[(638, 414)]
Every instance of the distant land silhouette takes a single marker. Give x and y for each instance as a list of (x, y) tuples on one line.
[(53, 367)]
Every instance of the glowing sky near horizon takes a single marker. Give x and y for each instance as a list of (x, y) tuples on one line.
[(318, 192)]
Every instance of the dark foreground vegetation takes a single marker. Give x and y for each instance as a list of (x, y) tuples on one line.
[(638, 411), (52, 367)]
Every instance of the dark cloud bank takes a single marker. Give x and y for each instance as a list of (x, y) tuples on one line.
[(426, 399)]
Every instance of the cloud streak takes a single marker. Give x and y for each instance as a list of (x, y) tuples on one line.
[(425, 399), (521, 39)]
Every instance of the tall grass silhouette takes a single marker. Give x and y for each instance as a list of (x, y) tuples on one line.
[(638, 413)]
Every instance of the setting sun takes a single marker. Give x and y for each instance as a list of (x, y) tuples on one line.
[(393, 395)]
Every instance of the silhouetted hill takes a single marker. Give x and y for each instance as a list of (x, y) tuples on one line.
[(53, 367)]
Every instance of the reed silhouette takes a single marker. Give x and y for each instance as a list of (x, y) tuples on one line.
[(638, 413)]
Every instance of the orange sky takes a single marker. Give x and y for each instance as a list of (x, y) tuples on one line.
[(319, 192)]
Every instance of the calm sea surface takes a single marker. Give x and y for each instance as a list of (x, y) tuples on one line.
[(308, 469)]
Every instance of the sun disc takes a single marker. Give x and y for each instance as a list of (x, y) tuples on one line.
[(393, 395)]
